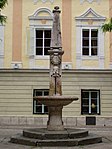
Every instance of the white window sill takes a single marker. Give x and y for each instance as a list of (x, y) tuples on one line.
[(39, 57), (89, 57)]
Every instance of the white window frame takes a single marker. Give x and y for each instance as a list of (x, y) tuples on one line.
[(34, 102), (40, 56), (85, 21), (98, 101), (89, 28)]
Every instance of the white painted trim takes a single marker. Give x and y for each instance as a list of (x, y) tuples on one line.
[(110, 66), (85, 15), (35, 1), (80, 24), (89, 28), (16, 65), (35, 24), (89, 102), (66, 65), (90, 1), (1, 46), (39, 57), (78, 47), (41, 9), (31, 62)]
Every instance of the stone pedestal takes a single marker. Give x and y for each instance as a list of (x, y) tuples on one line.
[(55, 118)]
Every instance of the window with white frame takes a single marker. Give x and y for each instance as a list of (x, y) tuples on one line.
[(39, 108), (89, 39), (42, 44), (90, 102), (90, 42)]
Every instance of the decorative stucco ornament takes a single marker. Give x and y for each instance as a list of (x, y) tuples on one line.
[(90, 1), (35, 1)]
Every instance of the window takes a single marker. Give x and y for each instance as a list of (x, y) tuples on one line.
[(90, 102), (37, 107), (43, 38), (90, 42)]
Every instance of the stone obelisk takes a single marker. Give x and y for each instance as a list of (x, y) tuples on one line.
[(55, 55)]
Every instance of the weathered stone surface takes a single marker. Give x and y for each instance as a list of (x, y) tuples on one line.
[(81, 121), (71, 120), (30, 120), (43, 137), (18, 139), (22, 120)]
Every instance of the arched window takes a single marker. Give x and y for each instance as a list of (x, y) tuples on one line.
[(39, 33)]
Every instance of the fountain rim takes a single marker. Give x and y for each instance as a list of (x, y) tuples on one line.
[(60, 97)]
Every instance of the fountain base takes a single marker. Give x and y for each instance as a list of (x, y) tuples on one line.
[(68, 137)]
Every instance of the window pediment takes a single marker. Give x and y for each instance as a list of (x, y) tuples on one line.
[(90, 1), (40, 14), (35, 1), (90, 14)]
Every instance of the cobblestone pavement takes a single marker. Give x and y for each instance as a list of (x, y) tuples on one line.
[(7, 132)]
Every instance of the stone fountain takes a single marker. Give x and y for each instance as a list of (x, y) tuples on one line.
[(55, 101), (55, 134)]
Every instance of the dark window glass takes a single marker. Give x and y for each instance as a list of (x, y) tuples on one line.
[(85, 51), (39, 42), (39, 33), (47, 42), (46, 51), (86, 33), (94, 33), (39, 51), (48, 34), (90, 102), (39, 108), (43, 39), (94, 42), (90, 42), (94, 51)]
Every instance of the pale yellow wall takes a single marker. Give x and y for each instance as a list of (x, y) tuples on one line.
[(42, 63), (8, 11), (16, 90), (102, 8), (28, 9), (90, 63)]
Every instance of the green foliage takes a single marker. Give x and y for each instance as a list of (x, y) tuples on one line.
[(3, 3), (107, 27), (2, 19)]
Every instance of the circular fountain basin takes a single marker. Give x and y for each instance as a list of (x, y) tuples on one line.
[(55, 105), (56, 100)]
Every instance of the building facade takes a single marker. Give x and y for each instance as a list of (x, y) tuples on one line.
[(87, 61)]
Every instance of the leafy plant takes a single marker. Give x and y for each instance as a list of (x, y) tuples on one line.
[(107, 27), (2, 5), (3, 19)]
